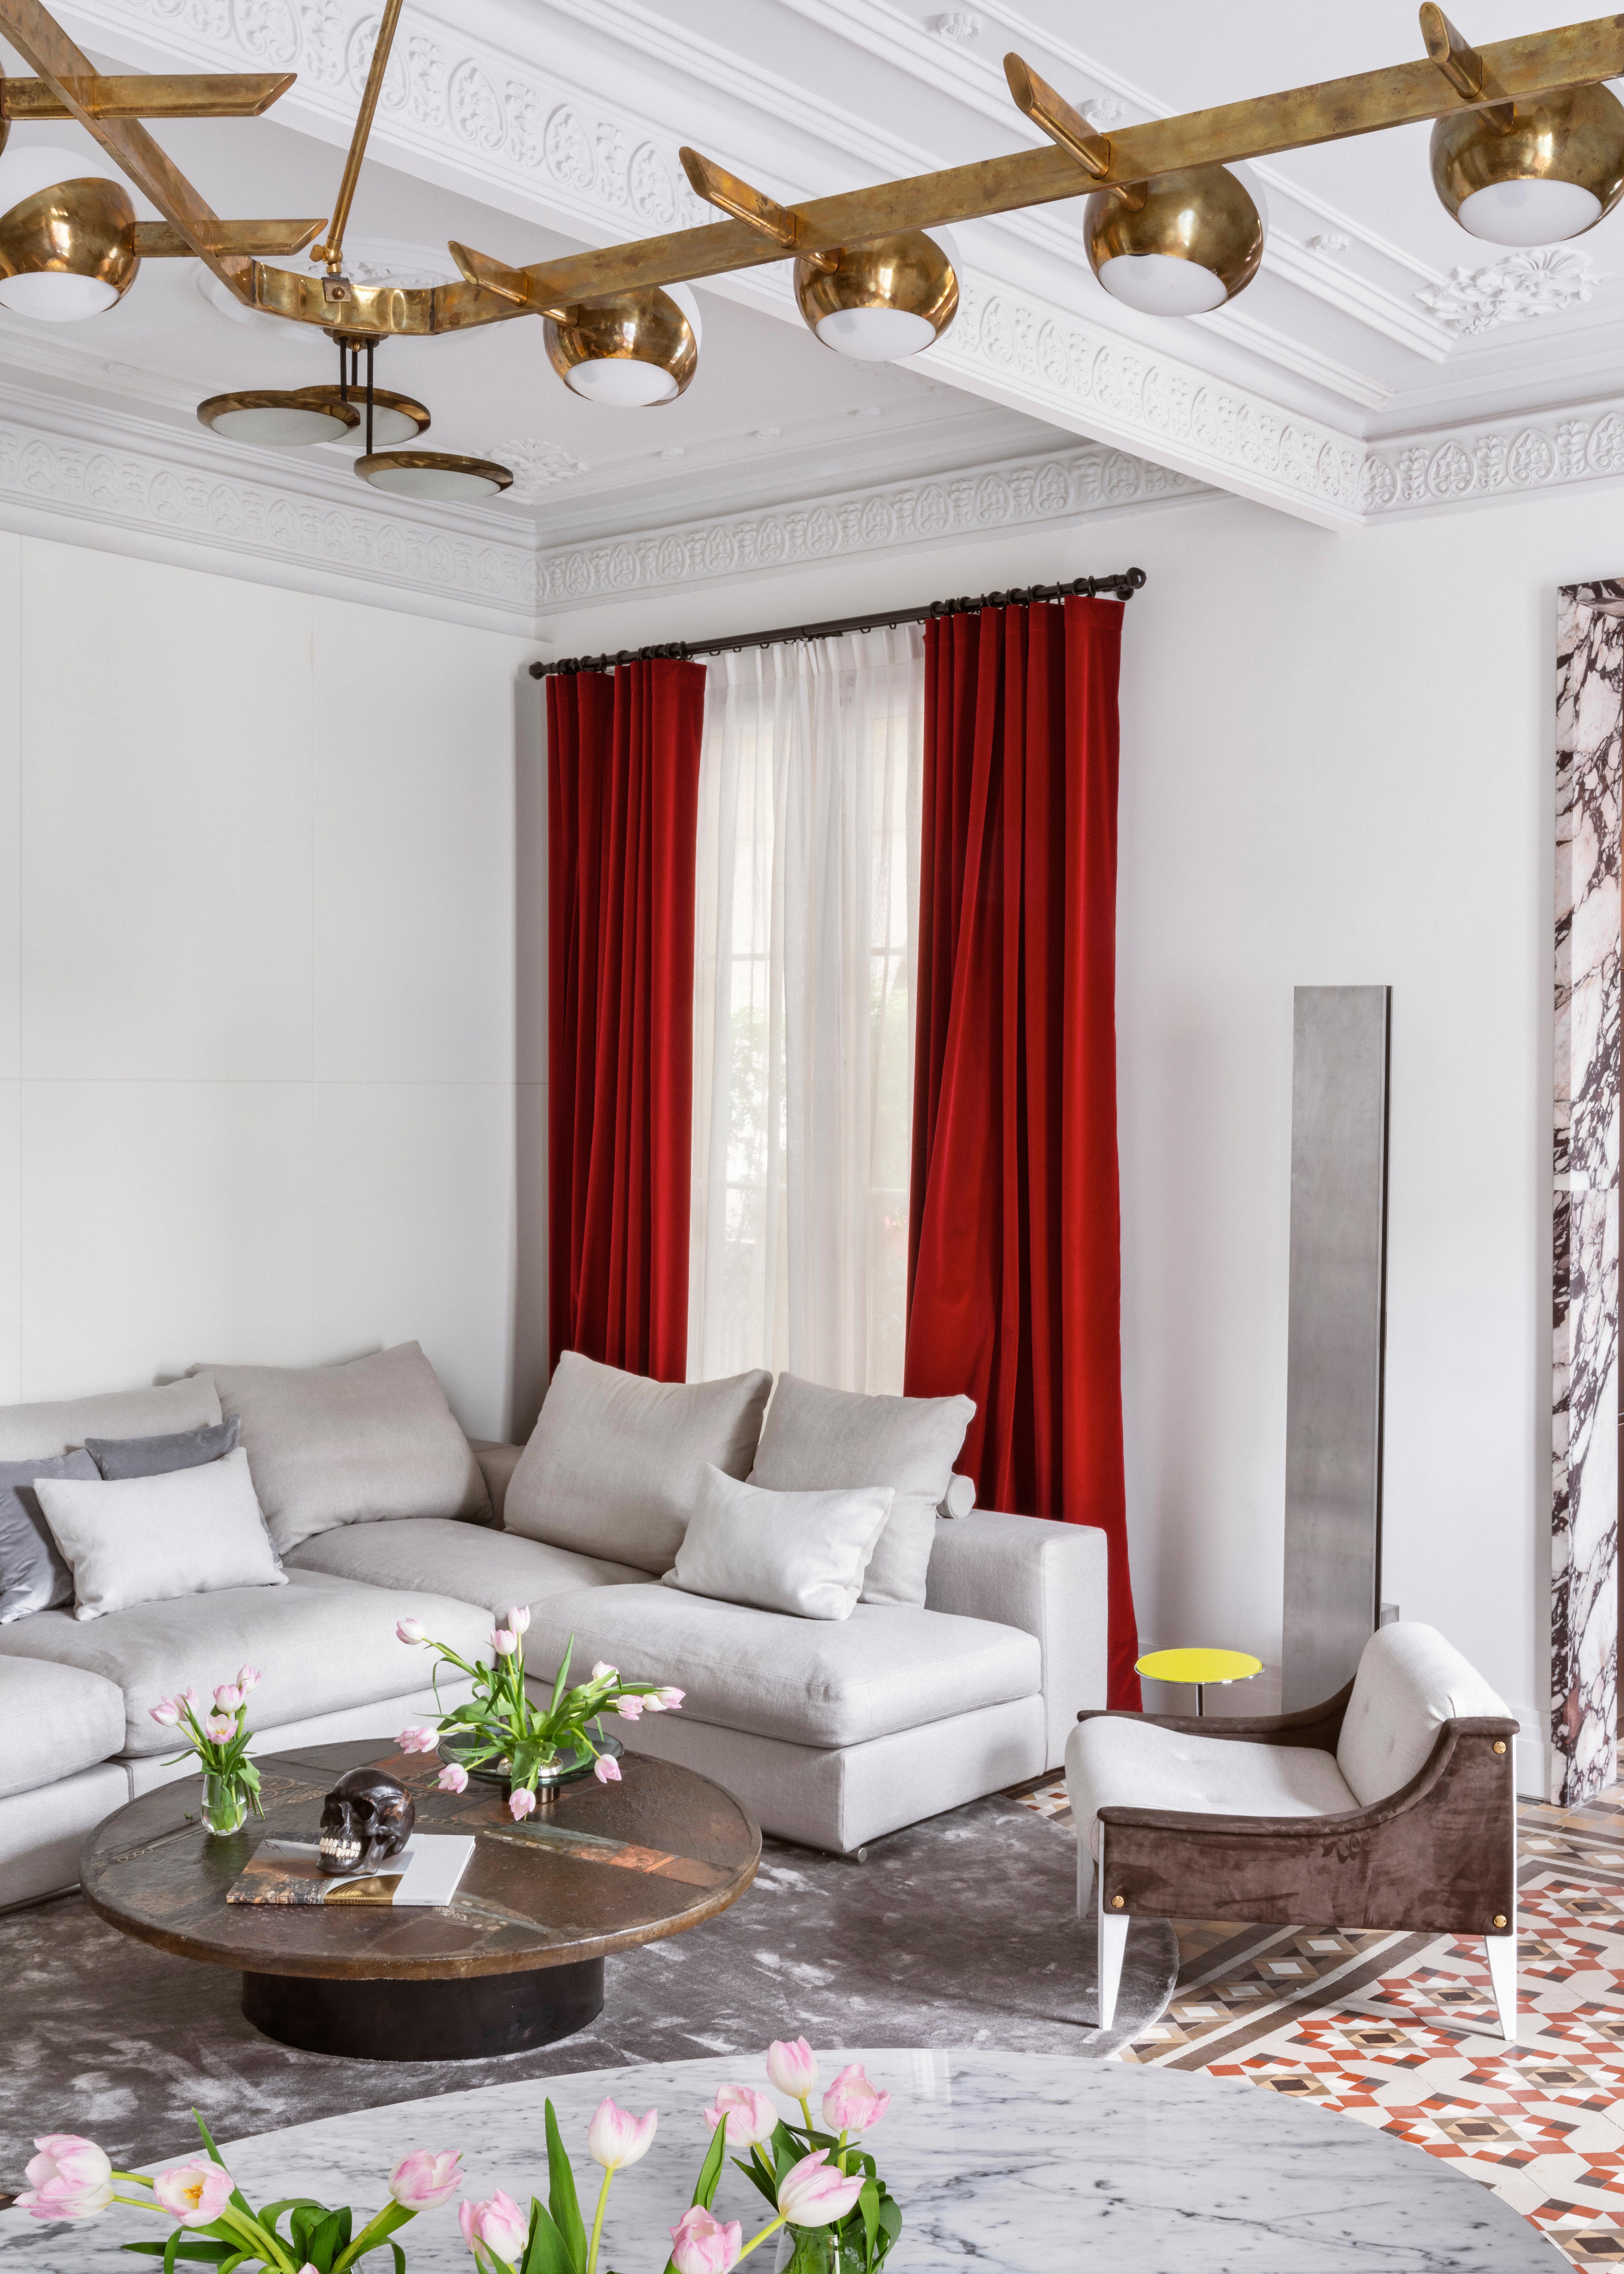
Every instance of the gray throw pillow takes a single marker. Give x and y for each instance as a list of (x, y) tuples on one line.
[(161, 1457), (817, 1440), (614, 1464), (33, 1573)]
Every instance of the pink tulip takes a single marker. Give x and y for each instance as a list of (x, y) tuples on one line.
[(227, 1697), (220, 1727), (812, 2192), (615, 2139), (751, 2116), (629, 1709), (195, 2194), (497, 2225), (454, 1778), (852, 2104), (664, 1701), (166, 1713), (703, 2244), (190, 1697), (69, 2178), (603, 1672), (790, 2068), (424, 2179), (518, 1619), (247, 1678), (606, 1769), (520, 1805), (410, 1630), (503, 1643), (418, 1740)]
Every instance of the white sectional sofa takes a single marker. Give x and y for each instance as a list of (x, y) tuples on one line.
[(832, 1732)]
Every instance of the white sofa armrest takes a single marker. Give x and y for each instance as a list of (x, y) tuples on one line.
[(1046, 1577), (498, 1462)]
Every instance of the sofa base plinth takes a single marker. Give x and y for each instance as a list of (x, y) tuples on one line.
[(469, 2018)]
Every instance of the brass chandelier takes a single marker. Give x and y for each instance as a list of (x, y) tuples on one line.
[(1527, 149)]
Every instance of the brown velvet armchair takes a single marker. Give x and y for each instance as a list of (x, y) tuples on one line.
[(1437, 1853)]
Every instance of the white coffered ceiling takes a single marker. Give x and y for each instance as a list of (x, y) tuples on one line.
[(1383, 360)]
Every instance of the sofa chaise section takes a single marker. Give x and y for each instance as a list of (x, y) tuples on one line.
[(58, 1725)]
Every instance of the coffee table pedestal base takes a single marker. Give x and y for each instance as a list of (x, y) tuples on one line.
[(464, 2020)]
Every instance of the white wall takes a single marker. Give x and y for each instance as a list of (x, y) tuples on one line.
[(1337, 768), (258, 1023)]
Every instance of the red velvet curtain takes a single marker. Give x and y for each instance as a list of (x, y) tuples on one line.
[(622, 821), (1014, 1234)]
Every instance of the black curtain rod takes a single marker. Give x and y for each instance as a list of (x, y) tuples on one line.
[(1123, 586)]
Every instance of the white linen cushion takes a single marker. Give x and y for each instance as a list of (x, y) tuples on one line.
[(352, 1443), (612, 1466), (804, 1553), (321, 1644), (812, 1682), (63, 1425), (493, 1569), (1410, 1683), (814, 1440), (145, 1539), (1119, 1761)]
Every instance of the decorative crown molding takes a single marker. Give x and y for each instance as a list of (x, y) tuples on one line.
[(1495, 459), (1012, 495), (144, 489), (1512, 290)]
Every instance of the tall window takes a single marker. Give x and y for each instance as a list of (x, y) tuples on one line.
[(807, 904)]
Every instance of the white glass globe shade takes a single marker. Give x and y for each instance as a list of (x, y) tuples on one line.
[(1541, 211), (876, 335), (621, 382), (1162, 284), (279, 425), (389, 426), (51, 296), (439, 485)]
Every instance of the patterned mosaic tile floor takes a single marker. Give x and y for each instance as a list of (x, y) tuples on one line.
[(1398, 2030)]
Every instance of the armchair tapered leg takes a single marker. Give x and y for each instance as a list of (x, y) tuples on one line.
[(1502, 1955), (1113, 1940)]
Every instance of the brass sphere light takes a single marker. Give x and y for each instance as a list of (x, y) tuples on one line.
[(882, 301), (1180, 244), (1532, 173), (630, 351), (67, 235)]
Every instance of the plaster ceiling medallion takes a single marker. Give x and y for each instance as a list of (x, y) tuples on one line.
[(1512, 290), (956, 27), (537, 466)]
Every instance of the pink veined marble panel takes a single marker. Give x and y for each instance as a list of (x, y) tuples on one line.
[(1589, 734)]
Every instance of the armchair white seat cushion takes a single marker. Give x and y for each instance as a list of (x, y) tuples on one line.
[(1122, 1763)]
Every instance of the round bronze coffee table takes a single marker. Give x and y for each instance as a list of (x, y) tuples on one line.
[(515, 1960)]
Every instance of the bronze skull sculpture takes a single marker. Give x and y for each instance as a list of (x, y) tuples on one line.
[(365, 1818)]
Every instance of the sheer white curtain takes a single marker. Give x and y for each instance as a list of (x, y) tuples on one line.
[(807, 898)]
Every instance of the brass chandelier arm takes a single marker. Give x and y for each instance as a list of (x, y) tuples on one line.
[(522, 288), (221, 95), (1458, 62), (44, 44), (333, 252), (778, 224), (1054, 115), (158, 240)]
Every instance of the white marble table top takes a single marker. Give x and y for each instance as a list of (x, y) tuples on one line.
[(1026, 2164)]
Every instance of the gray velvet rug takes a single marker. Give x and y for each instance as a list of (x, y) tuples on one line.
[(961, 1932)]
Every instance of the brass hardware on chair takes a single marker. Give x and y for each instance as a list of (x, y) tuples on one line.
[(1499, 1744), (1116, 1902), (1500, 1920)]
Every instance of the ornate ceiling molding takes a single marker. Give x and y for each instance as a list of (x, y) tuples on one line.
[(1499, 459), (1512, 289), (933, 510), (145, 490)]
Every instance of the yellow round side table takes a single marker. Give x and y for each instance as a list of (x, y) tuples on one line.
[(1199, 1668)]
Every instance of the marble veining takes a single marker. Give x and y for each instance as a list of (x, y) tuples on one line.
[(1586, 1193), (1022, 2164)]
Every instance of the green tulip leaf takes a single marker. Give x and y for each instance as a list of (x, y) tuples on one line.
[(562, 2199)]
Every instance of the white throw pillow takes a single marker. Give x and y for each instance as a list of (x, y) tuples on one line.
[(615, 1462), (147, 1539), (814, 1439), (352, 1443), (801, 1552)]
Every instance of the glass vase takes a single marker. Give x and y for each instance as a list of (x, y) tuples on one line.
[(225, 1806), (818, 2250)]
